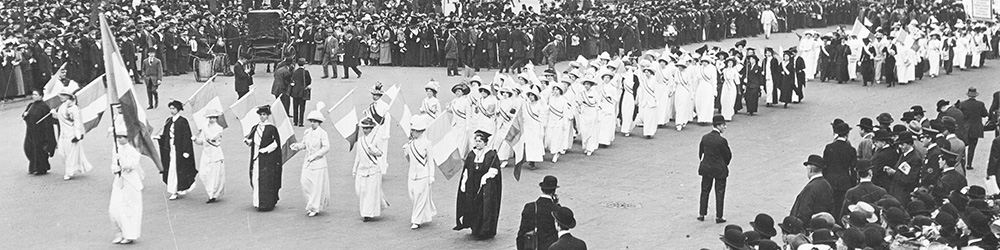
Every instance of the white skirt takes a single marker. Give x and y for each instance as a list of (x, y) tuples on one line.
[(371, 199), (423, 204), (316, 188)]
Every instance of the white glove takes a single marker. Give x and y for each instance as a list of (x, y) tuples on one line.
[(483, 182), (186, 155)]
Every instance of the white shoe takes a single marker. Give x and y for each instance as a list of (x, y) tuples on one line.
[(589, 153), (67, 177), (117, 240), (555, 157), (503, 164), (627, 134), (173, 196), (414, 226), (311, 214)]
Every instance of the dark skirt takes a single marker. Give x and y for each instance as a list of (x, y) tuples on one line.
[(785, 88)]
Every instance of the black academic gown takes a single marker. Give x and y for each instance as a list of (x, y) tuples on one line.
[(186, 170), (478, 207), (269, 174), (755, 80), (787, 83), (39, 139)]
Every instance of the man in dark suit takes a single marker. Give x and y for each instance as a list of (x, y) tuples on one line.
[(351, 49), (519, 48), (714, 167), (503, 47), (282, 81), (974, 112), (537, 216), (564, 218), (951, 180), (865, 191), (152, 76), (840, 158), (906, 174), (953, 111), (244, 75), (300, 92), (817, 195)]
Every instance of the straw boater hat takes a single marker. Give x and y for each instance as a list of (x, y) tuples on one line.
[(433, 85), (316, 115), (377, 89), (367, 123), (461, 87), (419, 122), (604, 56), (212, 113)]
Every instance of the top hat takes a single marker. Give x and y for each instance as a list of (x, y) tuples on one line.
[(866, 123), (734, 239), (972, 92), (815, 160), (549, 182), (564, 217), (718, 120), (764, 224)]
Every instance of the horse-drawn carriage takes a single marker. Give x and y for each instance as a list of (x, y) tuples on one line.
[(265, 37)]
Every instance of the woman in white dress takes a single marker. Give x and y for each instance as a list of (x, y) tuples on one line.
[(934, 47), (705, 93), (369, 162), (727, 98), (684, 95), (431, 106), (806, 48), (507, 107), (71, 131), (534, 114), (557, 123), (646, 99), (586, 121), (609, 93), (125, 208), (461, 108), (421, 174), (664, 90), (961, 49), (484, 108), (213, 168), (315, 176), (628, 104)]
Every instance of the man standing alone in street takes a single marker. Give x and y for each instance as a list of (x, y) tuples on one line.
[(715, 157), (974, 111), (840, 158)]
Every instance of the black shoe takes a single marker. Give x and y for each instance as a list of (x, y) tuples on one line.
[(701, 218), (344, 78), (366, 219), (42, 173), (150, 107), (324, 77), (969, 167), (212, 200), (720, 220)]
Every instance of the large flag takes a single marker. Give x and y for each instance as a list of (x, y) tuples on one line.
[(50, 93), (121, 91), (245, 109), (347, 119), (92, 101), (204, 99), (280, 120), (398, 107), (445, 152)]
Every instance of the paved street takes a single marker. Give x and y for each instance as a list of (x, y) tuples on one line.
[(637, 194)]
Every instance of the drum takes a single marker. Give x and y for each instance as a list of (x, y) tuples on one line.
[(203, 69)]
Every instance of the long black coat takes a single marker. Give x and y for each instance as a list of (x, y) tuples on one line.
[(959, 117), (301, 80), (715, 155), (519, 43), (478, 207), (815, 197), (39, 139), (269, 179), (865, 191), (352, 48), (186, 170), (243, 80), (840, 158), (883, 157), (902, 182), (974, 111), (540, 218), (568, 242)]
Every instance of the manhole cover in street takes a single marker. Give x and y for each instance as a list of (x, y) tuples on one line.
[(622, 205)]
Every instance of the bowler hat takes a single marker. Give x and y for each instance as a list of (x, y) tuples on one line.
[(958, 200), (752, 237), (978, 223), (817, 223), (767, 245), (791, 225), (863, 165), (917, 207), (718, 120), (764, 224), (904, 137), (874, 236), (564, 217), (841, 128), (815, 160), (549, 182), (972, 92), (907, 117), (866, 123), (888, 201), (976, 192), (854, 238), (895, 216), (857, 219), (884, 118), (823, 236), (917, 110), (734, 239), (945, 219), (898, 128)]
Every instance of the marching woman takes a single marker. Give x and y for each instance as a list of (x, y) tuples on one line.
[(71, 131), (867, 67), (727, 96), (125, 208), (39, 138), (664, 89), (787, 82), (557, 123), (906, 61), (962, 42), (213, 168), (589, 115), (421, 173), (484, 108), (461, 108), (431, 106), (934, 48), (479, 190), (609, 91), (177, 153), (369, 163), (754, 73), (265, 161), (889, 70), (627, 106), (684, 93), (706, 91), (507, 107), (646, 99), (315, 176), (531, 148)]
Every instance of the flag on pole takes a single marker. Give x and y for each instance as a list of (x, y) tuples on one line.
[(280, 120), (513, 138), (50, 93), (121, 91), (92, 101), (445, 154), (399, 108), (204, 99), (392, 93), (347, 121), (245, 110)]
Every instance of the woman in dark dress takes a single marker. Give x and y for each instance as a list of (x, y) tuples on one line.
[(889, 67), (480, 189), (867, 67), (39, 139), (177, 153), (265, 161), (787, 78), (840, 63), (754, 74), (411, 57)]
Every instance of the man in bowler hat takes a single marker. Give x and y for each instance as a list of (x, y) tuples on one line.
[(974, 111), (817, 195), (840, 157), (537, 217), (865, 191), (565, 220), (906, 174), (715, 156)]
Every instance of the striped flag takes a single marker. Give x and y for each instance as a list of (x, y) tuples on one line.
[(121, 91), (245, 109), (445, 153), (206, 98), (513, 138), (280, 120), (347, 118), (50, 93), (93, 101), (862, 26), (398, 107)]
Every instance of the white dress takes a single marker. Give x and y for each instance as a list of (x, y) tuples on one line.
[(806, 48), (461, 107), (587, 120), (705, 93), (934, 56), (607, 117), (125, 208), (419, 180), (628, 102), (70, 127), (556, 124), (431, 106), (213, 169), (531, 148), (368, 175), (315, 176), (684, 98), (646, 100), (664, 88), (731, 77), (504, 119)]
